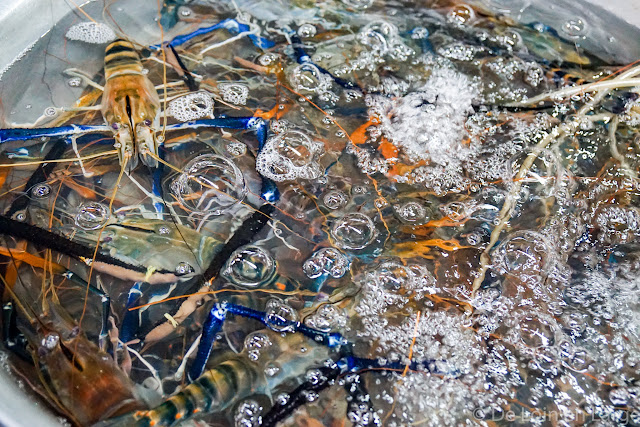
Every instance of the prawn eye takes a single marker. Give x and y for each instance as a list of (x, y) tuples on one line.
[(115, 126), (147, 122)]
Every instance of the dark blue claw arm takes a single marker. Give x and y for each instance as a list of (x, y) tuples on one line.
[(7, 135), (210, 329), (231, 25)]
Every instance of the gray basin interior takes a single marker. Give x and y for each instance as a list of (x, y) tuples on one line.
[(613, 26)]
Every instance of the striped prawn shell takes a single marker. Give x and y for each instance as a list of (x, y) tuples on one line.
[(214, 391), (121, 58)]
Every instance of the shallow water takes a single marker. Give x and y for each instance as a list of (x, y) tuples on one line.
[(473, 241)]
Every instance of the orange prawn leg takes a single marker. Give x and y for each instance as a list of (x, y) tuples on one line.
[(20, 255), (423, 247)]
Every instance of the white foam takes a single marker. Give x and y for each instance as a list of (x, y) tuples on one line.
[(429, 124), (91, 32), (192, 106)]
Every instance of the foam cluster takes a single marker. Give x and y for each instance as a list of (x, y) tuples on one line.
[(192, 106), (290, 155), (91, 32), (428, 124)]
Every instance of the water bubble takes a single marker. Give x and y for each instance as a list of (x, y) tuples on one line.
[(280, 316), (290, 155), (249, 266), (50, 341), (74, 82), (234, 93), (378, 36), (185, 11), (50, 111), (209, 184), (268, 59), (358, 4), (354, 231), (575, 27), (248, 414), (326, 318), (619, 396), (255, 343), (191, 106), (236, 148), (392, 276), (308, 77), (279, 126), (335, 199), (315, 376), (183, 268), (310, 396), (92, 216), (419, 33), (282, 399), (535, 333), (41, 190), (461, 14), (326, 261), (525, 254), (411, 212), (271, 369), (616, 224), (307, 30)]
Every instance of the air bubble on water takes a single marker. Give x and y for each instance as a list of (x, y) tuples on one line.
[(310, 396), (461, 14), (315, 376), (358, 4), (280, 316), (40, 191), (535, 332), (91, 32), (234, 93), (191, 106), (249, 266), (236, 148), (248, 414), (209, 184), (50, 341), (271, 369), (411, 212), (575, 27), (282, 399), (268, 59), (328, 261), (335, 199), (527, 255), (50, 111), (308, 77), (354, 231), (290, 155), (92, 216), (428, 124), (307, 30), (256, 343), (183, 268), (616, 224), (419, 33), (379, 36), (327, 318), (185, 11), (74, 82), (279, 126)]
